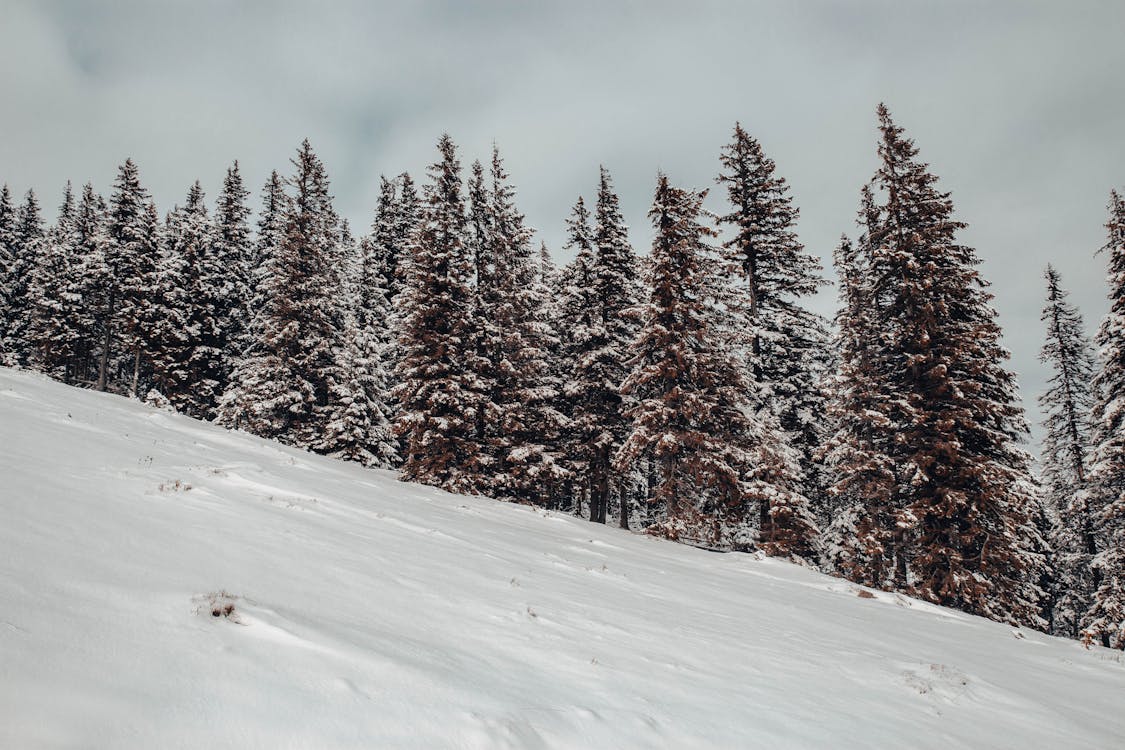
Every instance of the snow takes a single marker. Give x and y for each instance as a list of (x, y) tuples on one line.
[(370, 613)]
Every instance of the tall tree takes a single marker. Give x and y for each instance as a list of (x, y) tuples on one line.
[(784, 342), (1067, 405), (514, 302), (865, 541), (1105, 621), (52, 335), (190, 357), (132, 255), (436, 395), (285, 386), (955, 410), (233, 250), (90, 283), (602, 364), (690, 415), (28, 243)]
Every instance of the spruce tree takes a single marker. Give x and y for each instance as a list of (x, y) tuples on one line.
[(514, 309), (52, 335), (603, 361), (865, 539), (784, 342), (955, 411), (1067, 405), (436, 395), (580, 325), (285, 386), (189, 352), (233, 248), (132, 255), (1104, 622), (690, 413), (90, 284), (7, 258), (28, 243)]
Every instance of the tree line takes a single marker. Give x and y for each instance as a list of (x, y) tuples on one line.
[(689, 392)]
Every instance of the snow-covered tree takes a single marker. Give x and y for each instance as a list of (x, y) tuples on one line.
[(190, 357), (52, 335), (784, 343), (600, 349), (523, 425), (865, 540), (132, 260), (233, 248), (690, 414), (1104, 622), (954, 410), (28, 242), (1067, 405), (437, 397), (281, 388)]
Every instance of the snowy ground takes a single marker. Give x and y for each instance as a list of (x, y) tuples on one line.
[(373, 614)]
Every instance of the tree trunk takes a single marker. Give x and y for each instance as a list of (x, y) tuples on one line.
[(103, 364), (623, 517), (136, 372)]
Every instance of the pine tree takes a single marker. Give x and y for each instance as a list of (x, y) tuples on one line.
[(7, 258), (356, 424), (90, 284), (233, 249), (284, 387), (189, 346), (385, 246), (132, 260), (602, 364), (28, 243), (690, 415), (1104, 622), (1067, 405), (52, 335), (784, 343), (513, 303), (580, 325), (955, 411), (437, 397), (864, 541)]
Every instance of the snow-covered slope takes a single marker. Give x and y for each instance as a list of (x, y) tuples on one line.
[(373, 614)]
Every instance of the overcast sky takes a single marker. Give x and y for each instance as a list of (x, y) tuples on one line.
[(1019, 107)]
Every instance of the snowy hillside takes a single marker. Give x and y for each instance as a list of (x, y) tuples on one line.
[(366, 613)]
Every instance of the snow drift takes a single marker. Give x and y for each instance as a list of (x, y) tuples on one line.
[(166, 583)]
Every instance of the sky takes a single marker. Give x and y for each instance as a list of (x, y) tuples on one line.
[(1019, 108)]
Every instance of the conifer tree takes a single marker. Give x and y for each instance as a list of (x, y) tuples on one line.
[(690, 415), (132, 254), (514, 303), (436, 395), (355, 417), (190, 356), (602, 365), (1104, 622), (865, 540), (784, 343), (232, 247), (284, 387), (89, 283), (385, 245), (580, 325), (954, 410), (52, 335), (1067, 405), (27, 245), (7, 258)]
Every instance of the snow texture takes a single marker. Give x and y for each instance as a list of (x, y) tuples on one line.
[(166, 583)]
